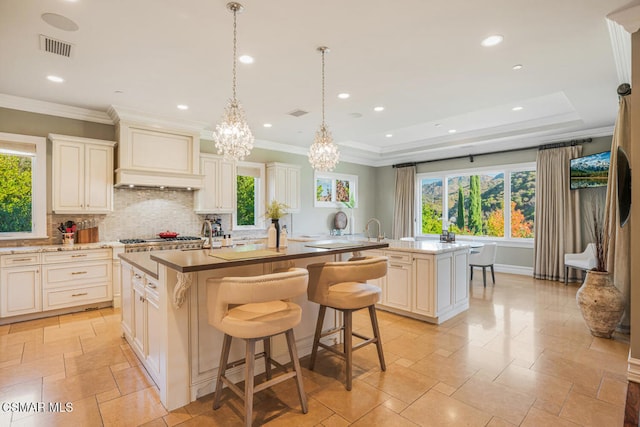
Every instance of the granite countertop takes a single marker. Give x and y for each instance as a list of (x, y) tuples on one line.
[(142, 261), (57, 248), (421, 246)]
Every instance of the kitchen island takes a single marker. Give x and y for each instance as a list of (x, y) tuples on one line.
[(164, 309)]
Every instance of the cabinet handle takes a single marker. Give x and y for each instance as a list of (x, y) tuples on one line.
[(78, 256), (151, 285), (137, 276), (397, 266), (142, 299), (80, 294), (78, 272), (21, 259)]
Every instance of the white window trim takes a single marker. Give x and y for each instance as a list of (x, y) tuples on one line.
[(39, 183), (260, 198), (507, 169)]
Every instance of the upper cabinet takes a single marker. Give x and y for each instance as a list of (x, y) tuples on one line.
[(82, 174), (283, 185), (218, 194)]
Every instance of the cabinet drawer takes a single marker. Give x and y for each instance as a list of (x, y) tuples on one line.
[(398, 257), (70, 274), (71, 297), (73, 256), (19, 259)]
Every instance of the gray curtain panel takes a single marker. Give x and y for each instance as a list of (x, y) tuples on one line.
[(618, 255), (404, 209), (557, 228)]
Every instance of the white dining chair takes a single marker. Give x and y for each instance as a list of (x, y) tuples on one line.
[(581, 261), (484, 257)]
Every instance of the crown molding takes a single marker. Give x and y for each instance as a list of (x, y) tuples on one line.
[(53, 109), (119, 113), (621, 45), (628, 17)]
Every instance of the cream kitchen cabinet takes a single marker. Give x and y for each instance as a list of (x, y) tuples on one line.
[(82, 175), (399, 280), (20, 288), (73, 278), (283, 185), (141, 316), (218, 194)]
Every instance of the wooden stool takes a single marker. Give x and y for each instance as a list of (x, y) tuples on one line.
[(255, 309)]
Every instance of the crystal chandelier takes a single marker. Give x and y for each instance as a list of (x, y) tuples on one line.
[(233, 138), (323, 153)]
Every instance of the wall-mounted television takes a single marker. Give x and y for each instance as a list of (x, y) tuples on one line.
[(590, 171)]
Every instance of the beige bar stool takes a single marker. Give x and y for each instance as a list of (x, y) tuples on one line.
[(255, 309), (342, 286)]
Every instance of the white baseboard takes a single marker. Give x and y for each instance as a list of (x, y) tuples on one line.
[(633, 369), (513, 269)]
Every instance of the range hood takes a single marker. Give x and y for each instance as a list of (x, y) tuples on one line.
[(153, 152)]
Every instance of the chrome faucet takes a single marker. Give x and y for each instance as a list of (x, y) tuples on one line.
[(380, 235), (206, 225)]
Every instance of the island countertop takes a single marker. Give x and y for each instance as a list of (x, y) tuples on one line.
[(188, 261), (432, 247)]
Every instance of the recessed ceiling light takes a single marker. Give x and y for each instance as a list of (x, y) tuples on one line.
[(246, 59), (389, 135), (60, 22), (492, 40), (188, 188), (380, 108), (267, 125), (118, 91), (517, 67), (162, 187), (452, 131), (131, 185), (518, 108), (55, 79), (182, 107), (343, 95)]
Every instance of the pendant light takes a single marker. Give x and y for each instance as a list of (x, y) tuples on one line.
[(323, 153), (233, 138)]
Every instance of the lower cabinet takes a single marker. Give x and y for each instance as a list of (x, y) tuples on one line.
[(140, 317), (20, 286), (431, 287)]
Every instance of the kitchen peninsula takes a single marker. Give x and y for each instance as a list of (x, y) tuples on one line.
[(164, 307)]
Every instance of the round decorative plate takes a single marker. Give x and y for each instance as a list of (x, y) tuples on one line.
[(340, 220)]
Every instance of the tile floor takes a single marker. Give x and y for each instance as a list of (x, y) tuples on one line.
[(520, 356)]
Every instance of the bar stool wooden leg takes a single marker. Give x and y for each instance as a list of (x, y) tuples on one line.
[(248, 381), (224, 358), (293, 353), (267, 357), (348, 346), (376, 333), (316, 337)]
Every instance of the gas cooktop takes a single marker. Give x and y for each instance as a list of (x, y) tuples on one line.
[(159, 240)]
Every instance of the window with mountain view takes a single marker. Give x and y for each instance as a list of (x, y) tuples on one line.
[(475, 202)]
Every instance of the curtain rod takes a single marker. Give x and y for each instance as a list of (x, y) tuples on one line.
[(471, 156)]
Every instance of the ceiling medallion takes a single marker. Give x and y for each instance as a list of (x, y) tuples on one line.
[(323, 153), (233, 138)]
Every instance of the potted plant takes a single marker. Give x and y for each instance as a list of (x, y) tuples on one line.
[(275, 210), (600, 302)]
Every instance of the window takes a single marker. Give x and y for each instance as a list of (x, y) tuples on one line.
[(249, 196), (22, 187), (475, 202)]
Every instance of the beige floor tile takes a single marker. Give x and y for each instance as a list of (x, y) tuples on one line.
[(406, 347), (495, 399), (4, 329), (31, 370), (491, 363), (499, 422), (158, 422), (79, 386), (582, 375), (223, 417), (273, 412), (82, 413), (382, 416), (55, 333), (80, 316), (132, 379), (33, 335), (108, 395), (401, 383), (538, 384), (353, 404), (176, 417), (504, 344), (537, 418), (334, 420), (12, 352), (107, 356), (98, 342), (587, 411), (613, 391), (450, 371), (444, 389), (133, 409), (396, 405), (553, 408), (34, 324), (444, 411), (38, 350)]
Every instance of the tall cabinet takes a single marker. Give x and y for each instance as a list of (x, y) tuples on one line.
[(283, 185), (218, 194), (82, 174)]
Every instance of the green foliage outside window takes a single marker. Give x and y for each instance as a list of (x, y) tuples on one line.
[(246, 196), (475, 205), (15, 193), (460, 216)]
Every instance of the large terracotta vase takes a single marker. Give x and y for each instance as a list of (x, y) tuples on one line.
[(601, 303)]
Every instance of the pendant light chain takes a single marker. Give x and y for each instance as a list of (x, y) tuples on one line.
[(323, 122), (235, 54)]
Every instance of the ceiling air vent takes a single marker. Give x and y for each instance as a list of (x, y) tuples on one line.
[(298, 113), (57, 47)]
